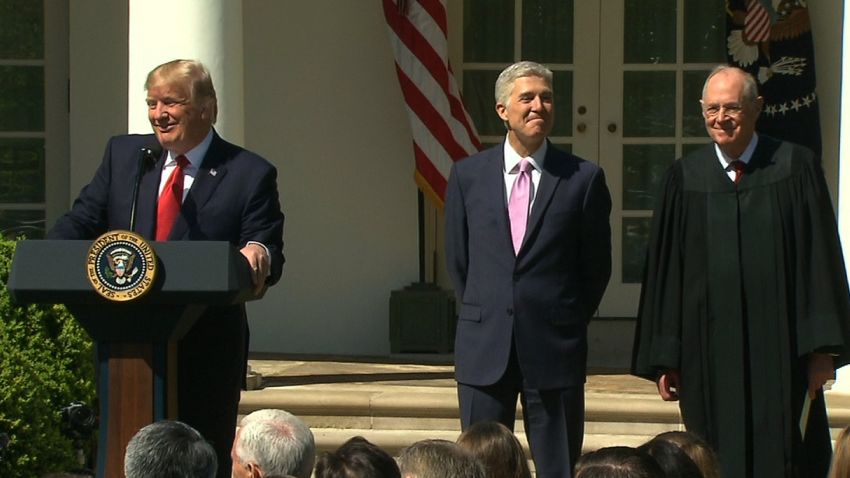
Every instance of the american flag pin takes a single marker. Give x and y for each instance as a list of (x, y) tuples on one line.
[(213, 172)]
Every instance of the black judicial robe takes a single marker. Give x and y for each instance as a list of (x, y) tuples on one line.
[(741, 283)]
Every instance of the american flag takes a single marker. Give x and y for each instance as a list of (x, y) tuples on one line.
[(442, 130), (756, 23)]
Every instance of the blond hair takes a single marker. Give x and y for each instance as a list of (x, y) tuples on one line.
[(194, 76)]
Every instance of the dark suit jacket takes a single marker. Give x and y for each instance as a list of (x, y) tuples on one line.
[(542, 298), (233, 198)]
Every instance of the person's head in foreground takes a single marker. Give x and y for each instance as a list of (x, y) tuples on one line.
[(617, 462), (357, 458), (169, 449), (498, 449), (438, 459), (273, 443)]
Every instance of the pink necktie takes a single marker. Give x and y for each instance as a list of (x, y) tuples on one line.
[(170, 200), (518, 203)]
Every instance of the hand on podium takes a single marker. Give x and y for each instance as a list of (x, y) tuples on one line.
[(260, 263)]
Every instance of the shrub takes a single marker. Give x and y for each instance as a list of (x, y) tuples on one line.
[(46, 362)]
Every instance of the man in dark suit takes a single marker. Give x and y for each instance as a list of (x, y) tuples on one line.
[(530, 269), (228, 194)]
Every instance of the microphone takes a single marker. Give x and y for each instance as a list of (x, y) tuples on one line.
[(147, 157)]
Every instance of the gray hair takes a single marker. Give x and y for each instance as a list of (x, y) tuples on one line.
[(169, 449), (505, 81), (439, 459), (278, 442), (751, 89)]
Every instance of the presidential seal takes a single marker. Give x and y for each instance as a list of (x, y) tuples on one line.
[(121, 266)]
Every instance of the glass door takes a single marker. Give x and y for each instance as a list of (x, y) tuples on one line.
[(654, 57)]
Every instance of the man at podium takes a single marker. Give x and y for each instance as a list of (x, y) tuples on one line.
[(191, 185)]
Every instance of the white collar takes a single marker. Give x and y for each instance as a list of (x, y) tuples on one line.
[(745, 158), (194, 155), (512, 158)]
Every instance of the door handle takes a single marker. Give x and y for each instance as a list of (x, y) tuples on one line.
[(581, 127), (612, 127)]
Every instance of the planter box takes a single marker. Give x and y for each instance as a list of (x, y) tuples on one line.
[(422, 319)]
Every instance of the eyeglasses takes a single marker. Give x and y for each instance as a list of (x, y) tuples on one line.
[(732, 110)]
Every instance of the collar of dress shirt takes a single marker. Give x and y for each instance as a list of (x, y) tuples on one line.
[(512, 158), (194, 155), (745, 158)]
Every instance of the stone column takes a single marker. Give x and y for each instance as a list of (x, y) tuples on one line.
[(205, 30)]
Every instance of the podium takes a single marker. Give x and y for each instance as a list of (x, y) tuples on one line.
[(136, 340)]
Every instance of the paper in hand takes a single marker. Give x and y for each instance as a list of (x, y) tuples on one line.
[(804, 414)]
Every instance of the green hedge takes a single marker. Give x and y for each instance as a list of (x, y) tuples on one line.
[(46, 362)]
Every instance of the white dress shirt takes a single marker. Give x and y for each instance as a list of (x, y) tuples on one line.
[(745, 158), (511, 169), (195, 157)]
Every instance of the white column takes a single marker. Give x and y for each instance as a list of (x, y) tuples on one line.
[(842, 382), (205, 30)]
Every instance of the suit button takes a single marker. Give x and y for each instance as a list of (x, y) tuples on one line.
[(510, 312)]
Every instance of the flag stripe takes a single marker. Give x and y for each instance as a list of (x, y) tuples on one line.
[(430, 146), (425, 110), (423, 81), (434, 62), (425, 167), (756, 22), (441, 127)]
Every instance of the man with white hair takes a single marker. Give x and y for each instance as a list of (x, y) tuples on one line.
[(273, 443)]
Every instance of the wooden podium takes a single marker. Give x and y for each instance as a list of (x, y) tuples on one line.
[(135, 340)]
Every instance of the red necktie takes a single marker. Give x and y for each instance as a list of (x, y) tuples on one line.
[(169, 201), (738, 166)]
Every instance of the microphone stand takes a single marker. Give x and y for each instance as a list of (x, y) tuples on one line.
[(146, 155)]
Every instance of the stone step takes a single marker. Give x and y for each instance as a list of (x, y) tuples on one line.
[(394, 417), (430, 409), (395, 405)]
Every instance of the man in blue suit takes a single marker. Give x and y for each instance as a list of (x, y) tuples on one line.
[(228, 194), (528, 287)]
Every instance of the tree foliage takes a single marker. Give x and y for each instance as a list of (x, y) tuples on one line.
[(46, 362)]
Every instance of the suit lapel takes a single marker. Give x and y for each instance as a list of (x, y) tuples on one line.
[(495, 183), (210, 173), (545, 191), (148, 198)]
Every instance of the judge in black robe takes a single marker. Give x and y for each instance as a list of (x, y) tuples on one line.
[(744, 309)]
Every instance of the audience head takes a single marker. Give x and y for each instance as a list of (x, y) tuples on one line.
[(438, 459), (617, 462), (672, 459), (497, 448), (273, 443), (357, 458), (696, 448), (169, 449), (840, 467)]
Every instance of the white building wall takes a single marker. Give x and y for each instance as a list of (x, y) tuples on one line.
[(323, 104), (826, 17)]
